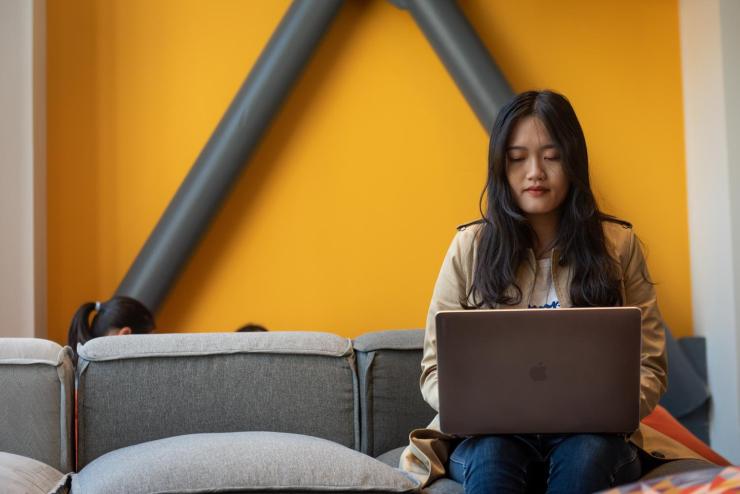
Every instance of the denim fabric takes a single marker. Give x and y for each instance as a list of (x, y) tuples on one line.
[(578, 463), (444, 486)]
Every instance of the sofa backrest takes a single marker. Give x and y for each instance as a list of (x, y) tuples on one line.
[(144, 387), (391, 405), (36, 401)]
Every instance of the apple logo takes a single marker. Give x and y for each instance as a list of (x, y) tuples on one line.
[(538, 372)]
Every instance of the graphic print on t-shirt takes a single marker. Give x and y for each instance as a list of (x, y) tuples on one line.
[(543, 294)]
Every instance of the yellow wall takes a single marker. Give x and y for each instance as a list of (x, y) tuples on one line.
[(344, 214)]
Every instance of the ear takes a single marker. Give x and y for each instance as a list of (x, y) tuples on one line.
[(124, 330)]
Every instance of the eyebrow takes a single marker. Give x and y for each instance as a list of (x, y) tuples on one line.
[(523, 148)]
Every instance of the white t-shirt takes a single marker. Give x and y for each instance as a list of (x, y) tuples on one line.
[(544, 295)]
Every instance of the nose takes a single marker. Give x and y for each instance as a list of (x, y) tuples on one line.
[(535, 170)]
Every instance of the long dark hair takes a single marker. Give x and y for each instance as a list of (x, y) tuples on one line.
[(506, 234), (118, 312)]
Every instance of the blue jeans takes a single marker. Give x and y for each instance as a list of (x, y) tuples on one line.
[(573, 463)]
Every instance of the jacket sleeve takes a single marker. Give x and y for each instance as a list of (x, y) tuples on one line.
[(640, 292), (449, 291)]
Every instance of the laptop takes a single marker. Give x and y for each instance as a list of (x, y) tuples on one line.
[(539, 371)]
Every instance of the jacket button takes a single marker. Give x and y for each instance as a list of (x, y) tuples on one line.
[(657, 454)]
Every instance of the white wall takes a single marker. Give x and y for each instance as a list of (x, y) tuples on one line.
[(710, 55), (22, 168), (728, 423)]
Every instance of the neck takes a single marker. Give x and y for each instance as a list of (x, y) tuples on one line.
[(546, 231)]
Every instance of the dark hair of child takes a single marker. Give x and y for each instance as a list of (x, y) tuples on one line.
[(119, 315), (251, 328)]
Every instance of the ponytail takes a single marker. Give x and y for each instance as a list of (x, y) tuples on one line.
[(79, 329), (116, 313)]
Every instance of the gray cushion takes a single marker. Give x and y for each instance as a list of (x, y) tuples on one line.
[(238, 461), (687, 390), (400, 339), (139, 388), (200, 344), (36, 400), (23, 475), (687, 397), (393, 457), (391, 405)]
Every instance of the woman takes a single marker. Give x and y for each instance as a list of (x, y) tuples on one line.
[(118, 316), (542, 242)]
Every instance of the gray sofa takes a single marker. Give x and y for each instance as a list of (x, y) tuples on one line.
[(214, 412)]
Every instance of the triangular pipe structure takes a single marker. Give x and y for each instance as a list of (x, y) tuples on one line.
[(463, 54), (228, 150)]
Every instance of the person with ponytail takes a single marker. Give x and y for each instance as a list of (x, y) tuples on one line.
[(118, 316), (542, 242)]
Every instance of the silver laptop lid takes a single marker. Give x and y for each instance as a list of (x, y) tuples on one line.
[(524, 371)]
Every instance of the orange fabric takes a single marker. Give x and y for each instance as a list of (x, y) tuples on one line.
[(662, 420)]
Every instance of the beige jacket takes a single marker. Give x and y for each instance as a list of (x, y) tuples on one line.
[(429, 449)]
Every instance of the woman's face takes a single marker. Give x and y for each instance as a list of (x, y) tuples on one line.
[(534, 169)]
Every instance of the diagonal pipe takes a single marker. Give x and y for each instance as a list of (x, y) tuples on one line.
[(225, 155), (463, 54)]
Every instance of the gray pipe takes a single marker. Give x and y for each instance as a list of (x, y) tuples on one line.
[(225, 155), (463, 54)]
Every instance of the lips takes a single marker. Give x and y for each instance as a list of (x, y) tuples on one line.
[(536, 191)]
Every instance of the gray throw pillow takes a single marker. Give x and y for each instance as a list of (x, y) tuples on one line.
[(23, 475), (239, 461)]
